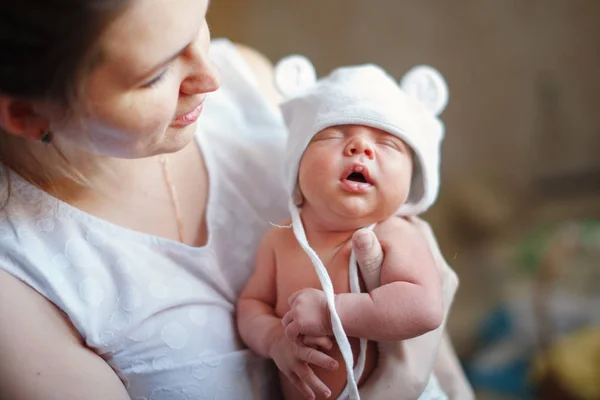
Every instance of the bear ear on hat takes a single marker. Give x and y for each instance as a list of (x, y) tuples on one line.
[(294, 74), (427, 85)]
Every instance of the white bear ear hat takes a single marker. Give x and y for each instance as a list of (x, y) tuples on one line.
[(361, 95), (367, 95)]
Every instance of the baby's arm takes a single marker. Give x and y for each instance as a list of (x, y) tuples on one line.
[(257, 323), (409, 301), (263, 332)]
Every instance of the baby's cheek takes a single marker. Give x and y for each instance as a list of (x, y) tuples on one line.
[(319, 159), (314, 169), (315, 182)]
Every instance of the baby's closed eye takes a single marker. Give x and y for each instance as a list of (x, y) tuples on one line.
[(392, 143), (328, 136)]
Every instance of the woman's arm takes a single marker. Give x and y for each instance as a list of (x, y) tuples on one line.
[(450, 373), (41, 355), (401, 366)]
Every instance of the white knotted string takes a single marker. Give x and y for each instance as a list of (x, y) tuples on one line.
[(336, 323)]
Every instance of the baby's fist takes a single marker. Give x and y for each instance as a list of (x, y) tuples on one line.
[(308, 314)]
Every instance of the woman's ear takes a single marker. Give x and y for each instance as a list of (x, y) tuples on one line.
[(20, 118)]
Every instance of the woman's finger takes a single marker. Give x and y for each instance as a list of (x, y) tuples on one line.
[(369, 256), (308, 377), (315, 357), (323, 342)]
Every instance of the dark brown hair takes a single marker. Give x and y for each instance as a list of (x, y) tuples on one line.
[(46, 49), (46, 45)]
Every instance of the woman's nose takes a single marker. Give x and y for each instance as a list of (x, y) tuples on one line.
[(203, 76), (358, 146)]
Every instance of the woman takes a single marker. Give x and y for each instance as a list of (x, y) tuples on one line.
[(126, 237)]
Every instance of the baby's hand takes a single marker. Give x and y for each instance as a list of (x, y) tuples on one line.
[(318, 342), (292, 358), (308, 314)]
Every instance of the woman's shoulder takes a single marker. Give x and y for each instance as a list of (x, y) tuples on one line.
[(33, 233)]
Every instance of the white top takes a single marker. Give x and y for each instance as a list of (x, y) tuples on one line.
[(159, 312)]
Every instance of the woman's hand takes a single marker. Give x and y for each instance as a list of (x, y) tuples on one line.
[(292, 358), (405, 366), (308, 315), (369, 256)]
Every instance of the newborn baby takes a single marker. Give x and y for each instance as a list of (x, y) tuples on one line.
[(362, 152)]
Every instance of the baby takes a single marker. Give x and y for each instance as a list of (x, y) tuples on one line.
[(362, 152)]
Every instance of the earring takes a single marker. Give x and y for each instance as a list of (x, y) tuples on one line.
[(46, 137)]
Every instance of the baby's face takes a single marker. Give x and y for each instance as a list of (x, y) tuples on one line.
[(355, 172)]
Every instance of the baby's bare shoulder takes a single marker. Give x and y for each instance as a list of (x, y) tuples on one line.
[(280, 238)]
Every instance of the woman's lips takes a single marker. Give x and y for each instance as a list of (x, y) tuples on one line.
[(190, 117)]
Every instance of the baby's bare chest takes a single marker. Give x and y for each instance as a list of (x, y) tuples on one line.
[(295, 271)]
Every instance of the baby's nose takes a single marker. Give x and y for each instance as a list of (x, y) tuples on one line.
[(359, 146)]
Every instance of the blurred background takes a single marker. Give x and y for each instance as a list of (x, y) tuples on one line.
[(519, 208)]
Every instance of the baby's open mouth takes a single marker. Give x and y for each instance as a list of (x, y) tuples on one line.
[(357, 177)]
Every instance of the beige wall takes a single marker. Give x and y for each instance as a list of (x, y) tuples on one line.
[(498, 57)]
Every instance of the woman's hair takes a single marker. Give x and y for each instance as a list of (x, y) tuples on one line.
[(47, 48), (47, 45)]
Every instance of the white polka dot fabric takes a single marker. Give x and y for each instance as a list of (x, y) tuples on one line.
[(161, 313)]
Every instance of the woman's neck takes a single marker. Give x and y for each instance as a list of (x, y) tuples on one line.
[(69, 173)]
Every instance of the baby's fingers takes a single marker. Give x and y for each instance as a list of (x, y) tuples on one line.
[(302, 386), (306, 378), (287, 318), (323, 342), (292, 331), (315, 357)]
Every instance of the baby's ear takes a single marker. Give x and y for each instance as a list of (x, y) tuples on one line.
[(294, 74), (427, 85), (298, 197)]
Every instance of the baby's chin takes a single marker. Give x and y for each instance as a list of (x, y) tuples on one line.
[(354, 213)]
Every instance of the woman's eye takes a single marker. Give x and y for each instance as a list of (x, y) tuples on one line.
[(156, 79)]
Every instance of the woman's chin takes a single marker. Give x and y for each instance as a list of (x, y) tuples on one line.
[(178, 139)]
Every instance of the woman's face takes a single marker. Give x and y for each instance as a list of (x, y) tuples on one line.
[(148, 89)]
